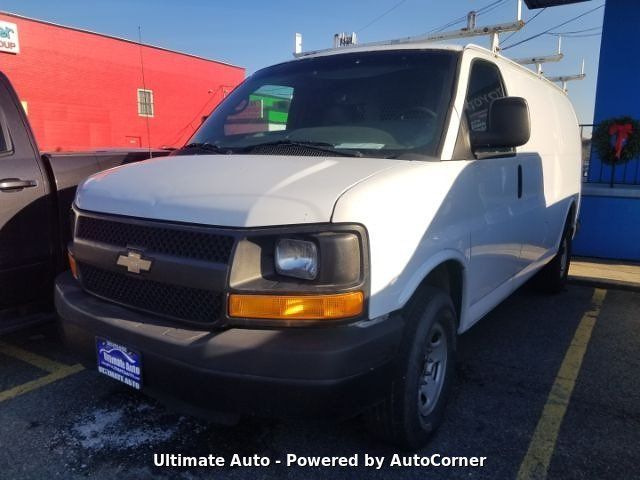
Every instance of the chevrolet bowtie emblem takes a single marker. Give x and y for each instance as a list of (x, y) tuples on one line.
[(134, 262)]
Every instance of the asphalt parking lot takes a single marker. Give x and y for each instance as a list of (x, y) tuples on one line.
[(523, 393)]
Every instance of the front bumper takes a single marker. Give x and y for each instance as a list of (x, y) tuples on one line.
[(301, 372)]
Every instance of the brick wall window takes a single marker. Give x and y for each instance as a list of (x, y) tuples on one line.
[(145, 102)]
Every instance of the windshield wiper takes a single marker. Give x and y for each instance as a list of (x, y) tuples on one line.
[(320, 146), (206, 147)]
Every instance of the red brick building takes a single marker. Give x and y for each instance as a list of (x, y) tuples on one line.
[(85, 90)]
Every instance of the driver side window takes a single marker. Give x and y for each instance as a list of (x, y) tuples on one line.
[(485, 85)]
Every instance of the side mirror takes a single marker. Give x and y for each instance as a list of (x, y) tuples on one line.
[(508, 125)]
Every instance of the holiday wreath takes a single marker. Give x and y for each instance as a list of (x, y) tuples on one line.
[(617, 140)]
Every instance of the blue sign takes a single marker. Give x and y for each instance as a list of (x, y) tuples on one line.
[(119, 362)]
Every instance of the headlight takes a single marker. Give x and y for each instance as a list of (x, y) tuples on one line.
[(297, 258)]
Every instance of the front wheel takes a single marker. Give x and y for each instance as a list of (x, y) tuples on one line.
[(414, 407)]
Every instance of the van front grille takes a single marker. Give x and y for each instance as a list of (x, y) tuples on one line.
[(173, 301), (159, 238)]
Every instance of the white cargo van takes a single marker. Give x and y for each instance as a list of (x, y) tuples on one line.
[(326, 234)]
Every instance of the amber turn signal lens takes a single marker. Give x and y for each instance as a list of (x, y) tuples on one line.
[(297, 307), (73, 265)]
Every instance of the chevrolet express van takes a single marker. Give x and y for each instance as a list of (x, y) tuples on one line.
[(320, 242)]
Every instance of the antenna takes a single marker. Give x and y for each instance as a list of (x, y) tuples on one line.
[(144, 86), (569, 78), (539, 60), (471, 30)]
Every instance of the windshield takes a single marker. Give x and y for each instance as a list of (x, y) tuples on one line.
[(382, 104)]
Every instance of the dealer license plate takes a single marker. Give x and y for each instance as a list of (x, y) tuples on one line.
[(119, 362)]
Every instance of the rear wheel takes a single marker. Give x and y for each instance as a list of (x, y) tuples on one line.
[(553, 276), (415, 404)]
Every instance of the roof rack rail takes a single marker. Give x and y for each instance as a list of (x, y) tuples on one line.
[(564, 79), (539, 60), (343, 41)]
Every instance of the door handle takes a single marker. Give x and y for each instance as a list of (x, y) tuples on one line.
[(11, 184), (519, 181)]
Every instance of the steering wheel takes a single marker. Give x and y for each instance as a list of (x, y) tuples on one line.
[(420, 125), (417, 112)]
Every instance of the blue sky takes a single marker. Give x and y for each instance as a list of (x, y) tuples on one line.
[(255, 34)]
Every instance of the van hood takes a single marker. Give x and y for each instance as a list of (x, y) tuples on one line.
[(228, 190)]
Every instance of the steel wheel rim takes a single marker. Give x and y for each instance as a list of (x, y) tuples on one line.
[(434, 368)]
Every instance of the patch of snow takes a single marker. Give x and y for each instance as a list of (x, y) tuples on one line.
[(108, 429)]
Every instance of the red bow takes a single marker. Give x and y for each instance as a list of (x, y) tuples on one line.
[(621, 132)]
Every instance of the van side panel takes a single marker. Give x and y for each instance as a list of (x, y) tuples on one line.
[(551, 160), (555, 143)]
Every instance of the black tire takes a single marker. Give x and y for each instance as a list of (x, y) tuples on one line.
[(406, 417), (553, 276)]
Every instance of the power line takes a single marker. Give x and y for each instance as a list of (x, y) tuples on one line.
[(211, 97), (144, 87), (486, 9), (584, 30), (490, 8), (577, 35), (450, 24), (552, 28), (583, 36), (381, 16), (528, 23)]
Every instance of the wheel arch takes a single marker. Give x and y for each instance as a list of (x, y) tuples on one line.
[(447, 272), (570, 217)]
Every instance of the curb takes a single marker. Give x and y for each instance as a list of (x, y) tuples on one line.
[(604, 283)]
